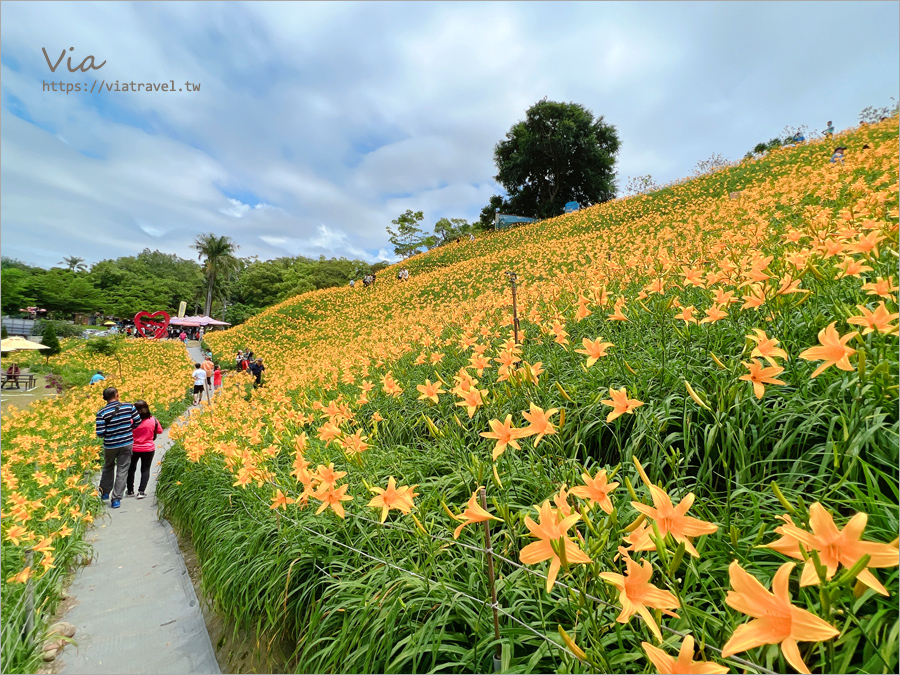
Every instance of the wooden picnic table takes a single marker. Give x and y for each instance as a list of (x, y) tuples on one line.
[(16, 381)]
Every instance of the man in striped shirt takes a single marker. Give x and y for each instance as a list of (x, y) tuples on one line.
[(114, 424)]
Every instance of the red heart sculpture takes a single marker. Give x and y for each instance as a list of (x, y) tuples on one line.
[(147, 325)]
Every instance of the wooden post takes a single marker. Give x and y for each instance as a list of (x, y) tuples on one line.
[(512, 280), (490, 561)]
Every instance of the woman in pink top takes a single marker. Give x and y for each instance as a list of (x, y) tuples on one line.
[(144, 448), (217, 377)]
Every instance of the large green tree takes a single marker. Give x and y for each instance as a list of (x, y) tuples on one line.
[(219, 260), (407, 238), (558, 154)]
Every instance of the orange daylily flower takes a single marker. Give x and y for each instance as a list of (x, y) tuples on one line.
[(684, 664), (390, 386), (693, 277), (852, 268), (429, 391), (837, 547), (776, 620), (473, 514), (550, 529), (505, 434), (620, 403), (713, 314), (594, 350), (669, 519), (539, 423), (789, 285), (766, 347), (16, 534), (332, 497), (760, 376), (43, 546), (21, 577), (881, 287), (834, 350), (867, 243), (471, 400), (479, 363), (393, 497), (280, 500), (596, 490), (879, 320), (326, 477), (329, 431), (638, 595), (687, 314), (617, 313), (755, 298)]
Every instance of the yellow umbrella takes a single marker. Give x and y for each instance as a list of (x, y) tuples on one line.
[(16, 343), (110, 323)]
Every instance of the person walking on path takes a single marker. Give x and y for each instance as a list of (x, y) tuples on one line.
[(144, 448), (199, 376), (217, 378), (115, 422), (183, 337), (208, 368)]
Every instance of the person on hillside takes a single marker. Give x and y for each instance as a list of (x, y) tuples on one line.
[(217, 378), (352, 283), (257, 368), (12, 374), (838, 155), (114, 424), (208, 366), (829, 130), (144, 448), (199, 376), (97, 377)]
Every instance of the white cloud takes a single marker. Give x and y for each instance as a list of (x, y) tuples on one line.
[(318, 123)]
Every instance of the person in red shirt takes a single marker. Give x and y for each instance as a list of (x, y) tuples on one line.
[(217, 378), (145, 434)]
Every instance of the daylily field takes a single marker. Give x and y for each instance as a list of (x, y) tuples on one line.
[(689, 457), (50, 454)]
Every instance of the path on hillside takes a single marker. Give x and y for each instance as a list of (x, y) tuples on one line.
[(136, 610)]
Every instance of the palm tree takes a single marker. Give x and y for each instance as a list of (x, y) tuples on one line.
[(74, 263), (220, 260)]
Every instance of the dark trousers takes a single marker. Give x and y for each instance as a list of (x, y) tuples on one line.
[(146, 461), (115, 467)]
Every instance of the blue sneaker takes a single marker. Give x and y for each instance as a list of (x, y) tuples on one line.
[(104, 497), (116, 503)]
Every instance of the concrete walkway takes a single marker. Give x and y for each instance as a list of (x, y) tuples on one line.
[(136, 610)]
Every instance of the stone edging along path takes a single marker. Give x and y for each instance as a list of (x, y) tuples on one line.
[(134, 606)]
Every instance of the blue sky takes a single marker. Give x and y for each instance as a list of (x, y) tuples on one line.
[(316, 124)]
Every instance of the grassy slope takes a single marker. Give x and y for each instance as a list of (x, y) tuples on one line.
[(832, 438)]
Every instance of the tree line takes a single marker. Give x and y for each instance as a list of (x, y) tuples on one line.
[(219, 283)]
